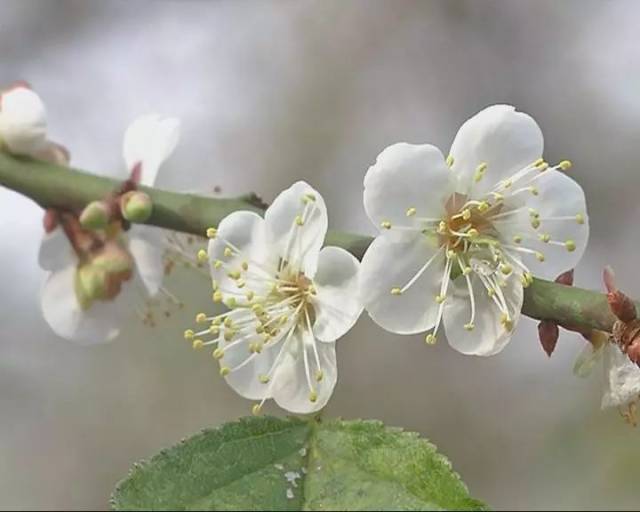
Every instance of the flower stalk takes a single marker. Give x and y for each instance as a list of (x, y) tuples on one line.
[(53, 186)]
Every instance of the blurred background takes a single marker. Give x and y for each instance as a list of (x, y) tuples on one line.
[(272, 92)]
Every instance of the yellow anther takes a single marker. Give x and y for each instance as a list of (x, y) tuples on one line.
[(214, 285), (228, 322), (229, 334), (497, 196), (231, 302), (224, 371), (482, 168), (201, 318), (214, 329), (310, 197), (212, 232), (430, 339), (396, 291), (473, 232), (257, 309), (450, 160), (466, 214), (540, 257), (506, 321), (565, 165), (218, 353), (534, 190), (197, 344), (259, 329), (469, 327), (244, 266), (234, 274), (442, 227), (228, 252), (440, 299), (250, 295), (266, 337), (240, 283), (570, 245), (534, 213), (319, 375), (217, 264), (264, 379), (580, 218), (283, 319), (217, 296), (466, 271), (385, 224), (538, 162), (299, 220), (216, 321), (189, 334), (313, 396), (517, 239), (451, 253), (506, 269), (524, 280), (258, 347), (411, 212), (535, 223), (507, 183), (544, 237), (491, 292), (202, 255), (542, 167), (483, 206), (256, 410), (252, 348)]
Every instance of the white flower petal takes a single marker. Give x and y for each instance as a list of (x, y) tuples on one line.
[(56, 251), (488, 336), (337, 302), (98, 324), (242, 231), (407, 176), (290, 386), (560, 203), (23, 121), (247, 367), (148, 256), (622, 378), (500, 137), (587, 359), (298, 244), (149, 141), (391, 262)]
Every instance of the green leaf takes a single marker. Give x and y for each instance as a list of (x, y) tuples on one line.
[(268, 463)]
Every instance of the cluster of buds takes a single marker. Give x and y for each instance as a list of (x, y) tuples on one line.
[(626, 329)]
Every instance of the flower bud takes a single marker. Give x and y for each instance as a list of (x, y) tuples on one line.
[(622, 306), (114, 259), (95, 216), (565, 278), (23, 123), (90, 284), (548, 332), (136, 206)]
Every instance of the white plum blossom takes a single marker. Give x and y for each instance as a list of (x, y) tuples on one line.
[(23, 125), (621, 375), (461, 236), (289, 300), (97, 279)]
